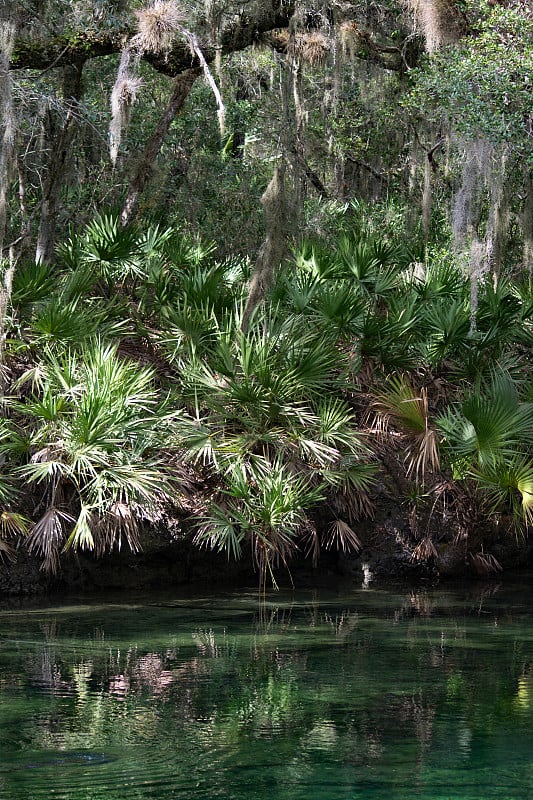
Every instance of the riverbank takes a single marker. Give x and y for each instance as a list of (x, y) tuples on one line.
[(167, 560)]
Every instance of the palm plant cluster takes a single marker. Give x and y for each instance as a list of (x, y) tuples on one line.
[(132, 393)]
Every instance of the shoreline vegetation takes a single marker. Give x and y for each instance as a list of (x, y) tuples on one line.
[(266, 296), (367, 407)]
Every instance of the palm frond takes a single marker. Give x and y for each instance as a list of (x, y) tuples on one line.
[(112, 527), (508, 484), (405, 407), (342, 537), (32, 284), (13, 526), (485, 563), (111, 248), (424, 550), (81, 537), (47, 537), (218, 532), (489, 425)]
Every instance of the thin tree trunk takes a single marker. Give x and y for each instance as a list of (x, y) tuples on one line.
[(5, 299), (7, 120), (334, 152), (527, 229), (182, 86), (427, 198), (273, 247), (60, 150), (7, 149)]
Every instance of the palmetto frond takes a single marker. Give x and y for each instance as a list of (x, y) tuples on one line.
[(99, 429), (60, 322), (264, 504), (12, 527), (32, 283), (189, 331), (342, 537), (152, 242), (402, 406), (339, 309), (63, 322), (258, 376), (447, 327), (441, 280), (485, 563), (508, 484), (47, 537), (112, 249), (424, 550), (371, 264), (387, 340), (489, 425)]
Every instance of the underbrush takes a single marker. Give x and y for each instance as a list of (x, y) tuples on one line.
[(132, 392)]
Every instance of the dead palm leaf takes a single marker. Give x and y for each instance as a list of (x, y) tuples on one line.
[(342, 537), (47, 537), (424, 551), (485, 563)]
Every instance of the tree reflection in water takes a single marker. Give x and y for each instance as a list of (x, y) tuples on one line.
[(360, 690)]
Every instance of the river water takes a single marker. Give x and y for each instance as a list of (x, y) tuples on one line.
[(308, 696)]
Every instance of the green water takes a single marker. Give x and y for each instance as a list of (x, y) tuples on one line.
[(314, 697)]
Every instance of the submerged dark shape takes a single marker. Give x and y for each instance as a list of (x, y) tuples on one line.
[(67, 759)]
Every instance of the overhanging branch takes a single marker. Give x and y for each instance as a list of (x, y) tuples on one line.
[(82, 46)]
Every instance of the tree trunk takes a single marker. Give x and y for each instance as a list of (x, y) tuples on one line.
[(7, 121), (5, 299), (273, 248), (180, 91), (60, 149), (527, 229)]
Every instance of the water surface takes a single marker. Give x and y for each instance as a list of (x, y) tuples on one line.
[(311, 697)]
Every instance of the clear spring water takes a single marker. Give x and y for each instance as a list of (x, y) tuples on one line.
[(313, 697)]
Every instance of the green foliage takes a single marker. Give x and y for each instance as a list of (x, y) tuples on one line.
[(483, 85), (358, 351), (95, 431)]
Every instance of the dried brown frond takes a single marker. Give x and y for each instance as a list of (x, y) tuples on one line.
[(485, 563), (12, 526), (355, 504), (47, 537), (7, 551), (342, 537), (157, 25), (413, 519), (117, 525), (424, 551), (423, 454), (311, 541)]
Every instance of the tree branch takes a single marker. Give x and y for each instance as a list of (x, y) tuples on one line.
[(71, 48)]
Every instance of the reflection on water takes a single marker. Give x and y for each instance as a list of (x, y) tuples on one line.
[(422, 695)]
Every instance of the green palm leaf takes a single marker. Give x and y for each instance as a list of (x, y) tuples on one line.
[(508, 484)]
